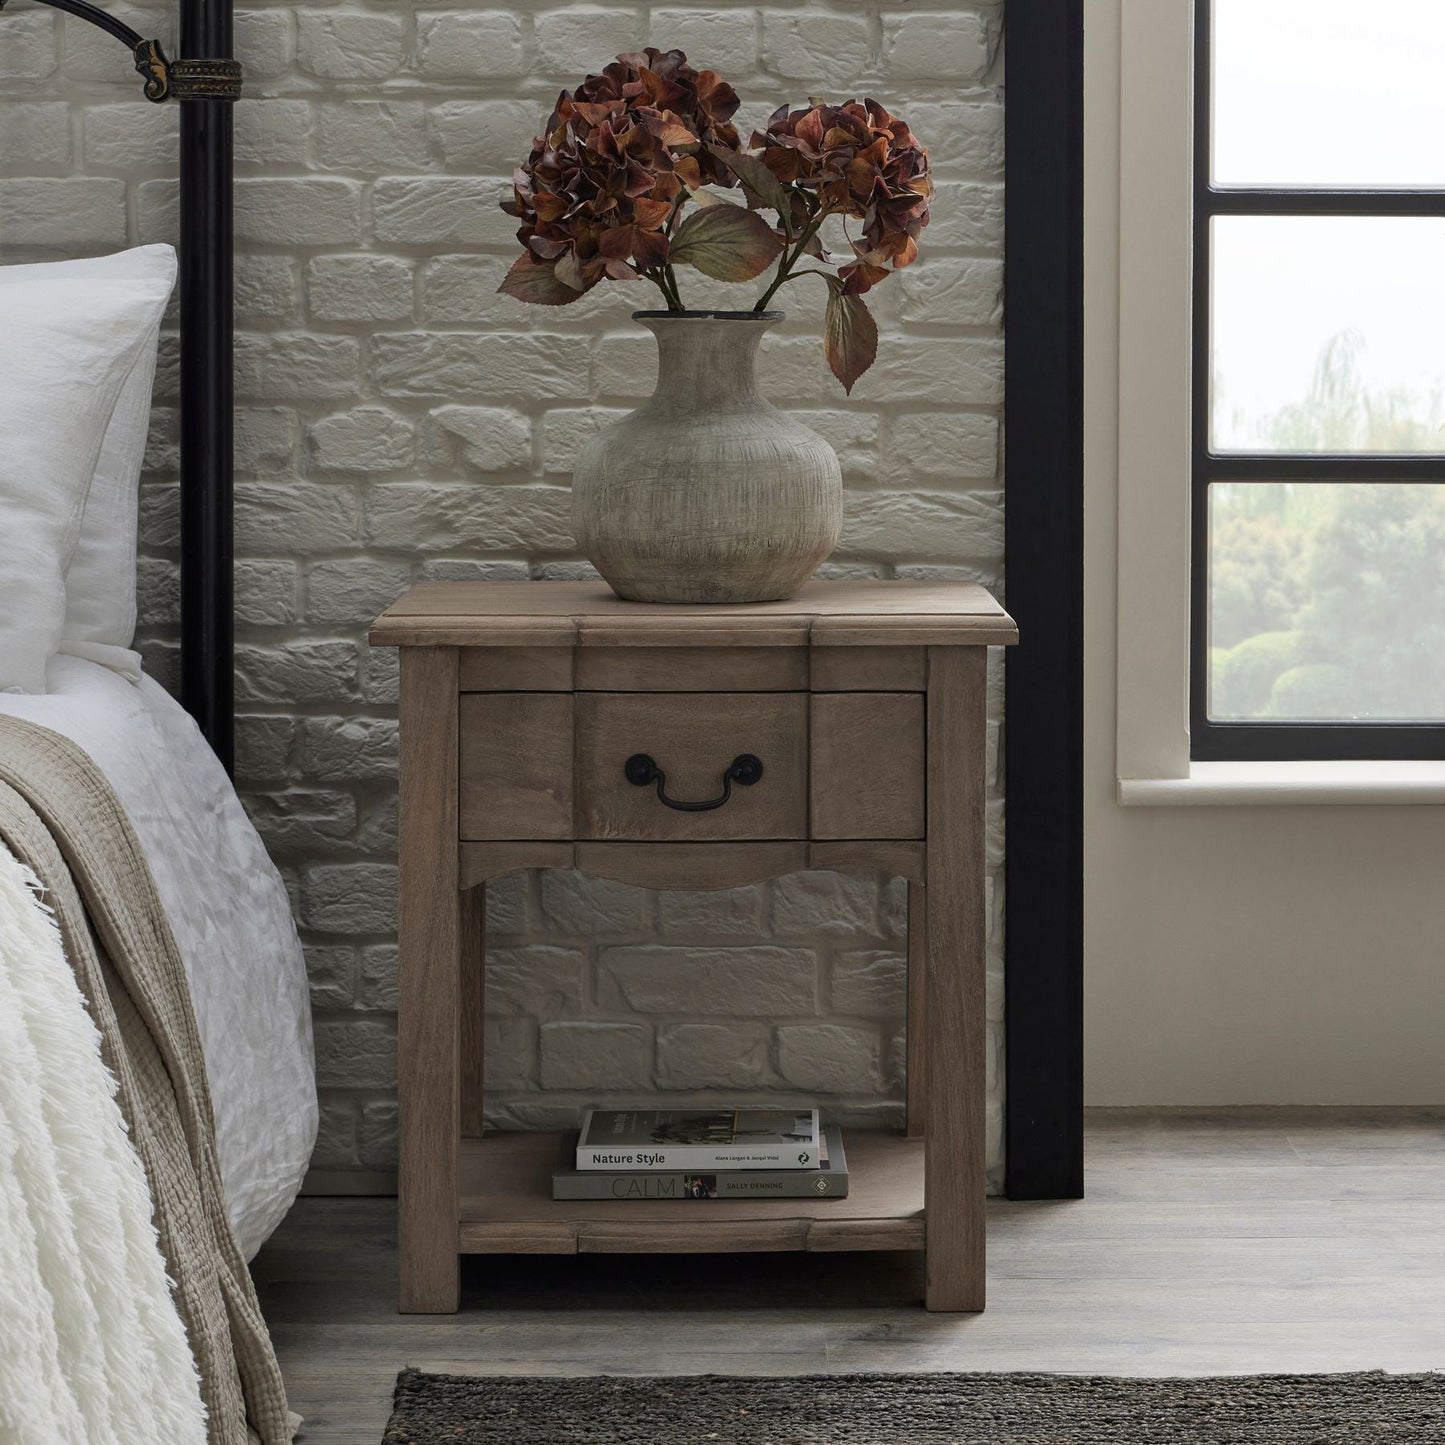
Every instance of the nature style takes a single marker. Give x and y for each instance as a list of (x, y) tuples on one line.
[(606, 191)]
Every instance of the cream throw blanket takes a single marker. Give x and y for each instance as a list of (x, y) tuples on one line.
[(92, 1351), (60, 821)]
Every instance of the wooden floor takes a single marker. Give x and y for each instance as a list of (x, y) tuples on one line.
[(1246, 1243)]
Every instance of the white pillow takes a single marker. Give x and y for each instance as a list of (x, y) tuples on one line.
[(100, 610), (66, 349)]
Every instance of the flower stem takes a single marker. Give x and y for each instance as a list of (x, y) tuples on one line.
[(791, 259)]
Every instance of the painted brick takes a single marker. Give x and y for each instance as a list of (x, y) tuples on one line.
[(828, 1058), (349, 897), (721, 40), (467, 366), (368, 136), (446, 210), (126, 137), (448, 516), (952, 46), (298, 212), (35, 135), (950, 444), (758, 981), (830, 51), (609, 908), (581, 39), (30, 51), (355, 1053), (348, 749), (356, 590), (870, 985), (69, 214), (375, 977), (265, 42), (368, 439), (913, 524), (832, 904), (344, 45), (265, 438), (711, 1056), (462, 290), (311, 518), (945, 289), (470, 45), (581, 1054), (272, 132), (359, 288), (288, 672), (486, 135), (966, 213), (266, 593), (543, 981), (487, 438), (265, 289), (283, 367)]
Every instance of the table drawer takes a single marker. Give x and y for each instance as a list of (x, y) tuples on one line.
[(514, 765), (636, 750)]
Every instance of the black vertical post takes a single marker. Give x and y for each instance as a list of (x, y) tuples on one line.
[(207, 671), (1044, 500)]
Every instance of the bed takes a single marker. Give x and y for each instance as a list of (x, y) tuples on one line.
[(229, 911), (158, 1107)]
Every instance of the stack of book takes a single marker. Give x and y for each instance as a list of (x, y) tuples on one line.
[(702, 1154)]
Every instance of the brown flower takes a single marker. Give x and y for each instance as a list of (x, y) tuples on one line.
[(604, 180), (857, 161)]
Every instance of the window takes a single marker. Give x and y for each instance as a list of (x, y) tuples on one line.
[(1318, 405)]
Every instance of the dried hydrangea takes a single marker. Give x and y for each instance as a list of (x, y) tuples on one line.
[(599, 195)]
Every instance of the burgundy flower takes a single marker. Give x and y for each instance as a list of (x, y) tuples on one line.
[(603, 182), (855, 160)]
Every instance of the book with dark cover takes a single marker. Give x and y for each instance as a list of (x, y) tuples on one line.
[(828, 1181), (698, 1139)]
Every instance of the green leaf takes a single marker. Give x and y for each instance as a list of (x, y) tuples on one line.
[(762, 186), (726, 243), (532, 281), (850, 337)]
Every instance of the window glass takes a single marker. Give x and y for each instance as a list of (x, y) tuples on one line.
[(1326, 602), (1327, 333), (1329, 93)]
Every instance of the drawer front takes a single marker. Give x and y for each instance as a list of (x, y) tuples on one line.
[(515, 766), (868, 765), (692, 740)]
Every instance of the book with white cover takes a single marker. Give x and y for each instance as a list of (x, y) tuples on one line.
[(828, 1181), (660, 1139)]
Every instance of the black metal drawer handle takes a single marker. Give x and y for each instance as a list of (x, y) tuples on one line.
[(744, 769)]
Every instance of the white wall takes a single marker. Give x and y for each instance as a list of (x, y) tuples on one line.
[(1234, 955), (397, 420)]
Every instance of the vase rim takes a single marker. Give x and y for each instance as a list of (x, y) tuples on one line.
[(709, 315)]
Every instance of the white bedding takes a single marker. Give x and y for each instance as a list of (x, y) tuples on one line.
[(231, 918)]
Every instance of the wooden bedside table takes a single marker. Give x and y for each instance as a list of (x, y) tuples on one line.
[(551, 725)]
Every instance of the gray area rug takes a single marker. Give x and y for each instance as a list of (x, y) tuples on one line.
[(1365, 1409)]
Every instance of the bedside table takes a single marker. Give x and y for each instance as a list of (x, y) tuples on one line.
[(552, 725)]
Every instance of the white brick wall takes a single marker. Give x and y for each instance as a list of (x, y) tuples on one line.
[(398, 420)]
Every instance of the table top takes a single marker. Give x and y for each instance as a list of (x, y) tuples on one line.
[(868, 613)]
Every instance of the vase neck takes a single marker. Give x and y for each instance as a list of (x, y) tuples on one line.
[(707, 362)]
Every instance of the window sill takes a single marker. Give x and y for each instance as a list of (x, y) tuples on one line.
[(1288, 784)]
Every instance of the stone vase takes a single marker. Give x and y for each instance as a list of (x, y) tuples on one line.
[(707, 492)]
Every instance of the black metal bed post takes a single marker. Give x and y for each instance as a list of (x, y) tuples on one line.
[(207, 464)]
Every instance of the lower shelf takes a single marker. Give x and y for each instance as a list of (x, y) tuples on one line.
[(505, 1206)]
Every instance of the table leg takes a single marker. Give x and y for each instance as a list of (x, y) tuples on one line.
[(432, 927), (473, 1009), (917, 989), (955, 1026)]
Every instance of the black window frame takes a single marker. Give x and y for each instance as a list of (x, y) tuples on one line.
[(1211, 740)]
